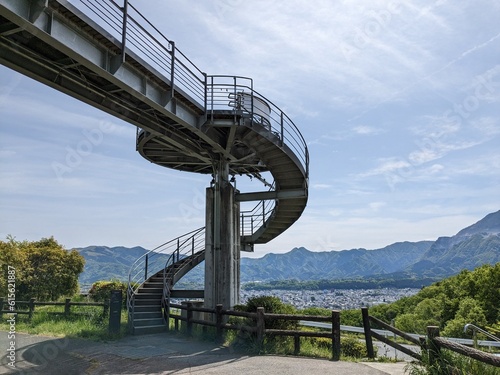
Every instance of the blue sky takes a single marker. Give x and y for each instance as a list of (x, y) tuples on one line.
[(399, 103)]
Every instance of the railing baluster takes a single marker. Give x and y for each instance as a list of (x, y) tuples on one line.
[(124, 29), (172, 71)]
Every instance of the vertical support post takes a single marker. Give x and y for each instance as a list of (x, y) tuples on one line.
[(335, 335), (31, 308), (115, 311), (146, 267), (282, 130), (296, 344), (172, 72), (261, 326), (368, 334), (192, 247), (218, 324), (222, 242), (166, 313), (124, 29), (433, 349), (189, 315), (1, 306), (67, 307)]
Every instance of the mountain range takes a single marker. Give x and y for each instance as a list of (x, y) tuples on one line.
[(471, 247)]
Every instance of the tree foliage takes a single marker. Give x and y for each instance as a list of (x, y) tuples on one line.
[(101, 290), (468, 297), (43, 269)]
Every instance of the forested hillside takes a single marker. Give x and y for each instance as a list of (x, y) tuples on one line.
[(468, 297)]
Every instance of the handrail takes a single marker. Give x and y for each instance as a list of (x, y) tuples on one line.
[(188, 248), (237, 95), (477, 329), (150, 263), (147, 42)]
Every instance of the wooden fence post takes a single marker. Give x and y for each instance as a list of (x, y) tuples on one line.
[(261, 326), (218, 324), (189, 314), (335, 335), (67, 307), (296, 344), (433, 348), (31, 308), (368, 334), (1, 307)]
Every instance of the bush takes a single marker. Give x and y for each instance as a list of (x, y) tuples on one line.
[(350, 346), (101, 290), (273, 305)]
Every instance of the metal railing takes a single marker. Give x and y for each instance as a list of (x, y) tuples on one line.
[(140, 38), (151, 263), (187, 246), (237, 96), (252, 220), (476, 330)]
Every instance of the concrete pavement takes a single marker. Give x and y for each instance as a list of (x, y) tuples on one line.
[(162, 354)]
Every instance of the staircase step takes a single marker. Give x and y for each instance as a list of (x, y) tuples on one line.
[(143, 296), (149, 329), (148, 322), (148, 315), (147, 308), (150, 291), (152, 285), (147, 302)]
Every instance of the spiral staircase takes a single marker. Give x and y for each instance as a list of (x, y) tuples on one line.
[(114, 59)]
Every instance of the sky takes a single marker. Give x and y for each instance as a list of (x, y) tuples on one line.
[(398, 101)]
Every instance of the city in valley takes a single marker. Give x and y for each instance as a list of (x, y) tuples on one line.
[(336, 299)]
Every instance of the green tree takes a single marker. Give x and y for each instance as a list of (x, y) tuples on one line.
[(44, 269)]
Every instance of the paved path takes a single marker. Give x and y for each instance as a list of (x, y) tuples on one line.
[(162, 354)]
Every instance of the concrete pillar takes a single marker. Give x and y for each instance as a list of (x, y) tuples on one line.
[(222, 244)]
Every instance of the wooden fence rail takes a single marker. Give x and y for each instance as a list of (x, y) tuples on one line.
[(433, 344), (436, 343), (258, 328), (32, 303)]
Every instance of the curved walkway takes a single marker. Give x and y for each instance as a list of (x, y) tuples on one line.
[(163, 354)]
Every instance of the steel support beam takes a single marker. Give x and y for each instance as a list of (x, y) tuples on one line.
[(269, 195)]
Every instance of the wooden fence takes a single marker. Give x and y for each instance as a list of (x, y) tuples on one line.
[(432, 344), (258, 328), (435, 343), (30, 310)]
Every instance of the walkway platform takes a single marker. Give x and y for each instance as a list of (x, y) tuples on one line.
[(164, 354)]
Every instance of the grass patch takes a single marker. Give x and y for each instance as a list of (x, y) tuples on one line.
[(450, 363), (83, 322)]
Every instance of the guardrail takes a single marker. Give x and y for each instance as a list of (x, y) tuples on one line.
[(144, 40)]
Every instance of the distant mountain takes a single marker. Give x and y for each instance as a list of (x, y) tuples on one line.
[(473, 246), (106, 263), (302, 264)]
